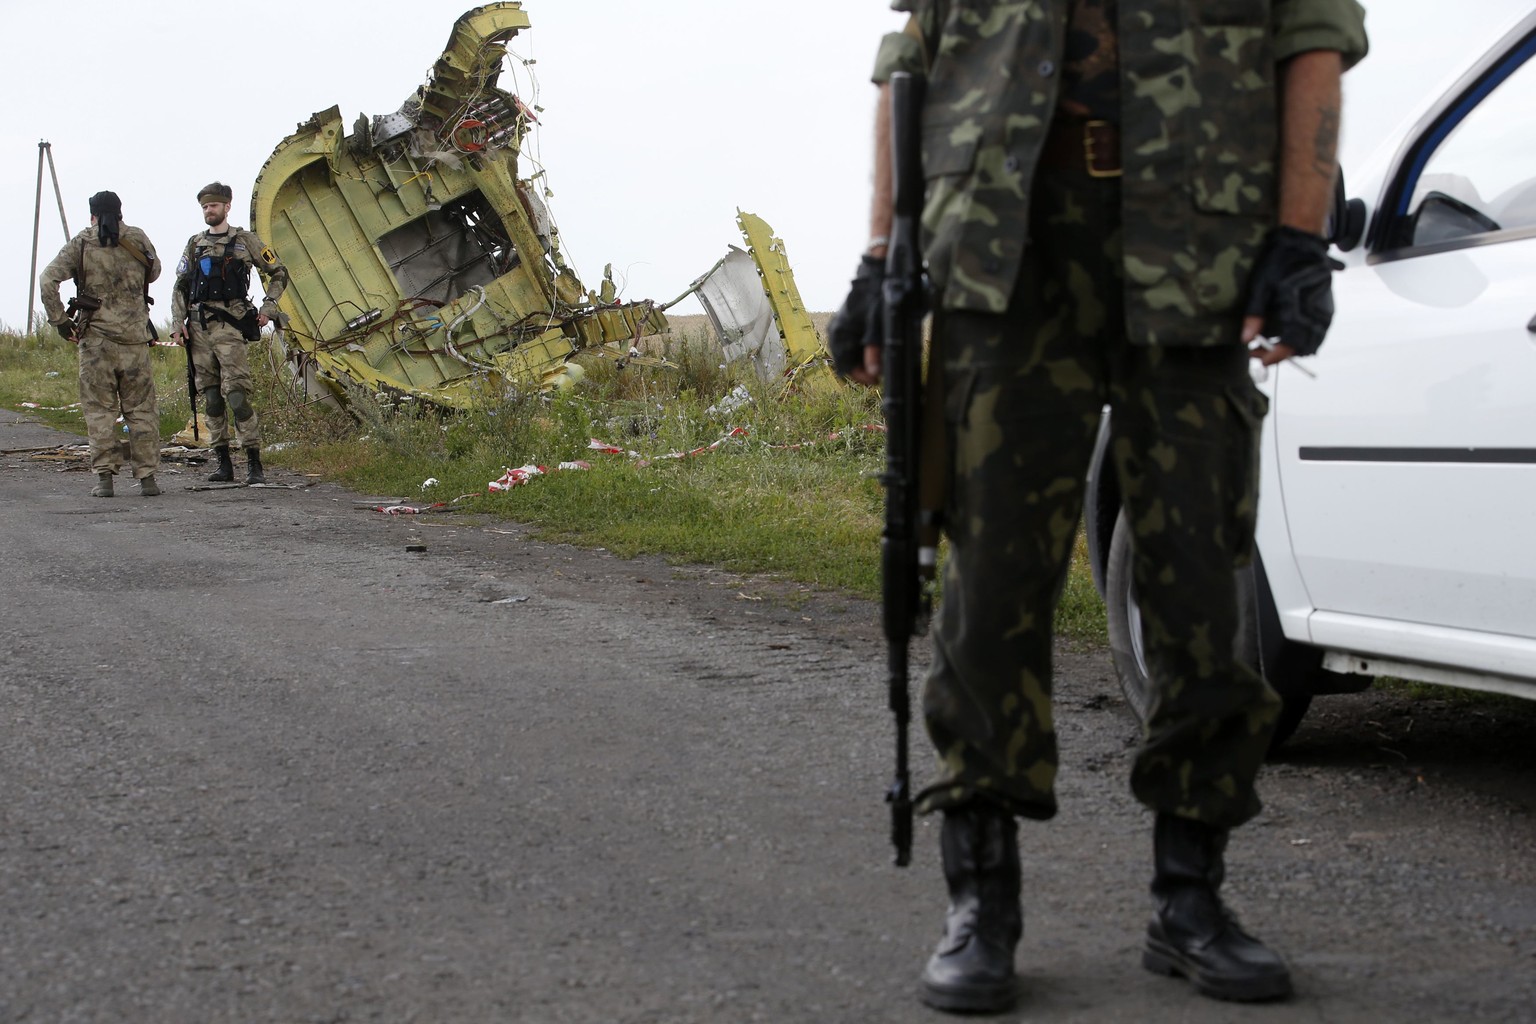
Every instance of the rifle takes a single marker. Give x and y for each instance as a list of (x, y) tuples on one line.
[(79, 312), (908, 544), (186, 344)]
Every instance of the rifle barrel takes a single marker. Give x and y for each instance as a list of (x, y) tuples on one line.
[(902, 298)]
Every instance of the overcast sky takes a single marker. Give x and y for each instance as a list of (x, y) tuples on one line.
[(659, 118)]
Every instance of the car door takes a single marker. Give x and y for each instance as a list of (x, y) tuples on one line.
[(1407, 465)]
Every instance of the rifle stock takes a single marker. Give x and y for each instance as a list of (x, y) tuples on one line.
[(906, 556)]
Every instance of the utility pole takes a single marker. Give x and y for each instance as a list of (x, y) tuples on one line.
[(44, 149)]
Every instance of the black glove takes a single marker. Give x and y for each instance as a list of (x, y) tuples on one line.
[(66, 329), (857, 322), (1292, 288)]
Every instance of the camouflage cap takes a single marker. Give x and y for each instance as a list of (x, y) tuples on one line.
[(217, 192)]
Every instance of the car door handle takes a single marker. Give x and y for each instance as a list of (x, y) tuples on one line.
[(1532, 325)]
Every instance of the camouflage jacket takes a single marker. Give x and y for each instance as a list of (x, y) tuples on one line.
[(243, 244), (110, 274), (1199, 142)]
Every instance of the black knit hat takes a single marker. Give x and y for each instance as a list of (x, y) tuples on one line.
[(108, 211), (106, 204)]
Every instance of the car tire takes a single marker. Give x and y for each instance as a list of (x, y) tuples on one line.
[(1126, 647)]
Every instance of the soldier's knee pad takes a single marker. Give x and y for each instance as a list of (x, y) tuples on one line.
[(214, 401), (239, 406)]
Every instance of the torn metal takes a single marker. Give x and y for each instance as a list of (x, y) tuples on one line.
[(423, 261)]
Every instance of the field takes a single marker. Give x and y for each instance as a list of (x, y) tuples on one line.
[(789, 489)]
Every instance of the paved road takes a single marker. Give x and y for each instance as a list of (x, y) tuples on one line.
[(262, 763)]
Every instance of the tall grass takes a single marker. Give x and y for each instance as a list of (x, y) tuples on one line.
[(793, 494), (41, 368)]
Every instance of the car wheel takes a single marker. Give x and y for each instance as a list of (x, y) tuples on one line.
[(1127, 648)]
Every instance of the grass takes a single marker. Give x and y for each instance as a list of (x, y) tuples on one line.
[(42, 369), (796, 497)]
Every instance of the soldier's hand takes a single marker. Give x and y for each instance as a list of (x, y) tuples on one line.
[(179, 335), (1290, 294), (854, 329), (66, 329)]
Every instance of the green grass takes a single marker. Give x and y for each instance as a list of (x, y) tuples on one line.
[(796, 497), (42, 369)]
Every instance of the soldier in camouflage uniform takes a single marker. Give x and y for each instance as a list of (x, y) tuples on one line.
[(112, 264), (213, 314), (1122, 195)]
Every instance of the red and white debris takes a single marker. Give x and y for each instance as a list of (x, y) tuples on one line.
[(522, 474), (612, 449)]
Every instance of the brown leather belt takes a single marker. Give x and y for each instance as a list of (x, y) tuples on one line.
[(1074, 144)]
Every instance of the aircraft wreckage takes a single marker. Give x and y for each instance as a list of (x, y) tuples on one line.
[(422, 262)]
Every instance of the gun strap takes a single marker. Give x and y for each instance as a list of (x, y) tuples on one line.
[(80, 318), (134, 251), (80, 272), (138, 254)]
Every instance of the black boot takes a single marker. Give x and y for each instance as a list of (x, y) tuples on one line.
[(972, 968), (226, 471), (253, 473), (1192, 934)]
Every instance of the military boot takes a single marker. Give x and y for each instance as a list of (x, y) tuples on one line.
[(972, 968), (1192, 933), (253, 473), (226, 471), (148, 487), (103, 488)]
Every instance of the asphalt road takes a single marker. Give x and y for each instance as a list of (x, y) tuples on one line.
[(260, 763)]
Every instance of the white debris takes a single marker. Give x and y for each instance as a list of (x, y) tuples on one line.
[(738, 397)]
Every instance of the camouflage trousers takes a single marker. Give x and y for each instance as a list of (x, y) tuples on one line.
[(1023, 396), (119, 380), (220, 360)]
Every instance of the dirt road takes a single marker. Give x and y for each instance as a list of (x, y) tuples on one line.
[(261, 762)]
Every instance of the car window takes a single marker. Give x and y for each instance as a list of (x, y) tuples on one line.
[(1482, 176)]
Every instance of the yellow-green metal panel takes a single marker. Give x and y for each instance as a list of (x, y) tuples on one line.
[(326, 201), (801, 342)]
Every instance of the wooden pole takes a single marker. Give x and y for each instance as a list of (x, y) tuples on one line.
[(37, 216), (58, 195), (44, 149)]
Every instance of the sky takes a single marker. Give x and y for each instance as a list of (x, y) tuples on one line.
[(659, 119)]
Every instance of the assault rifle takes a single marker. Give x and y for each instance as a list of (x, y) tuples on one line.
[(81, 309), (186, 344), (909, 541)]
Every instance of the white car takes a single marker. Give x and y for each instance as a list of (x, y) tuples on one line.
[(1397, 510)]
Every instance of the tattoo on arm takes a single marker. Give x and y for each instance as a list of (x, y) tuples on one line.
[(1326, 143)]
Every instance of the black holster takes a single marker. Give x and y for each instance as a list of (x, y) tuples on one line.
[(80, 310), (247, 325)]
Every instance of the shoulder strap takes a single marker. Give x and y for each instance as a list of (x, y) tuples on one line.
[(138, 254), (134, 251)]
